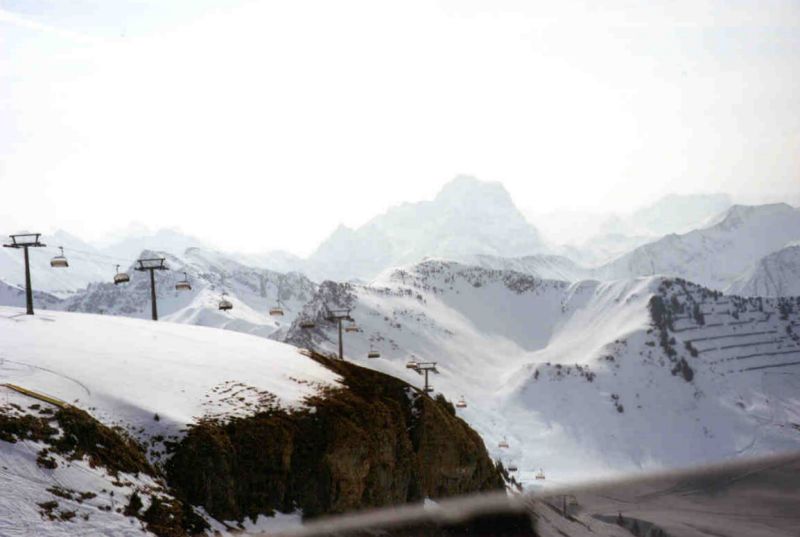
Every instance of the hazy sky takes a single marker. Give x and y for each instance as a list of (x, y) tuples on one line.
[(262, 125)]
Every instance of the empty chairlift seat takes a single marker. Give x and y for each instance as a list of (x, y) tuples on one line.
[(306, 324), (540, 474), (59, 261), (503, 443), (224, 303), (373, 353), (351, 327), (276, 311), (121, 277), (184, 285), (461, 403)]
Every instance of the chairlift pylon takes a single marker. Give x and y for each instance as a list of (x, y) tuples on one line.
[(59, 261), (183, 285), (121, 277), (224, 303)]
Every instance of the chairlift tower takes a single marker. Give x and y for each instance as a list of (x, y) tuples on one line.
[(25, 241), (424, 368), (337, 316), (152, 265)]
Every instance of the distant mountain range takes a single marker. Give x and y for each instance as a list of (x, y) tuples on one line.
[(596, 238), (714, 255), (477, 223)]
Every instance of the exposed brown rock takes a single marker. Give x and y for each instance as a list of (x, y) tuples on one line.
[(376, 442)]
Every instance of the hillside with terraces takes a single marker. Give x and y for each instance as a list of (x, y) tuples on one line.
[(730, 334), (661, 373)]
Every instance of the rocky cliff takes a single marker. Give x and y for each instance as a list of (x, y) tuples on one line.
[(378, 441)]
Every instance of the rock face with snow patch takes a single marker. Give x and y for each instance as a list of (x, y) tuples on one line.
[(88, 477), (376, 442), (542, 266)]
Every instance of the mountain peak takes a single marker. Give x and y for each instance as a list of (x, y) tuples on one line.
[(737, 214), (468, 216), (470, 189)]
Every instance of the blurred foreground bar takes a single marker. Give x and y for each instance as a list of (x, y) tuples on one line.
[(752, 498)]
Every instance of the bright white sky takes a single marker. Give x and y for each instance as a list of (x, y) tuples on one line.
[(262, 125)]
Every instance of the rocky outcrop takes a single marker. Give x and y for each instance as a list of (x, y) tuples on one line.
[(69, 434), (376, 442)]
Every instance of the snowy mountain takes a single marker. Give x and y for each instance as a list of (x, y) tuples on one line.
[(676, 214), (776, 274), (253, 292), (114, 426), (599, 237), (87, 264), (603, 248), (467, 217), (150, 379), (581, 378), (717, 254), (15, 296)]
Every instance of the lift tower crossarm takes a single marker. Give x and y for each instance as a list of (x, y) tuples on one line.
[(151, 265), (25, 241), (424, 368)]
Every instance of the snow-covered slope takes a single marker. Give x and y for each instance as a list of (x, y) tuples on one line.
[(14, 296), (604, 248), (467, 217), (151, 379), (710, 378), (715, 255), (776, 274), (470, 319), (87, 264), (575, 374), (127, 370), (252, 291)]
